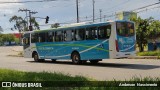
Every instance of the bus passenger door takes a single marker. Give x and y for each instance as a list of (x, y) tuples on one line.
[(26, 46)]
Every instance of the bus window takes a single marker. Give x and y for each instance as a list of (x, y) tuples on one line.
[(26, 41), (130, 27), (34, 37), (58, 36), (121, 29), (125, 28), (91, 33), (65, 36), (73, 35), (41, 37), (104, 32), (50, 37), (81, 34)]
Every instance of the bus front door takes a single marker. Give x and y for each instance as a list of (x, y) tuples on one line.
[(26, 46)]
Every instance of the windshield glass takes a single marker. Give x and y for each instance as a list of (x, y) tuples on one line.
[(125, 28)]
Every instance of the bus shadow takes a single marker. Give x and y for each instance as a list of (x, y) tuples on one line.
[(102, 64)]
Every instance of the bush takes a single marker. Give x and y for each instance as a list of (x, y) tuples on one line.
[(149, 53)]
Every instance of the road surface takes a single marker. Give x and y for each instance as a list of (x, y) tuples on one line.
[(119, 69)]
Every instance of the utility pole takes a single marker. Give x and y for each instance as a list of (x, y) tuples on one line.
[(25, 10), (100, 10), (93, 9), (30, 17), (77, 11)]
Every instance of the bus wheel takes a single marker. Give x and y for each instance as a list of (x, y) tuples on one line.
[(94, 61), (76, 58), (36, 58)]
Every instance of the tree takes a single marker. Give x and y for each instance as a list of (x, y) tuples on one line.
[(34, 23), (154, 29), (142, 31), (56, 25), (22, 24), (8, 38), (19, 23)]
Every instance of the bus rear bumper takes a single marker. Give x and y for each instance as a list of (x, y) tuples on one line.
[(125, 54)]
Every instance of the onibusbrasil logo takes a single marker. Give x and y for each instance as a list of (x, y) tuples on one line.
[(21, 84)]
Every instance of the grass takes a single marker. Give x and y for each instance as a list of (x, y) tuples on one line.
[(12, 75), (149, 53)]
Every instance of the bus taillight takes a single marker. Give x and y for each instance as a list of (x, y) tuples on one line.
[(116, 42)]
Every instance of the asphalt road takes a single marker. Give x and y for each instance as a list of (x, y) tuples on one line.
[(109, 69)]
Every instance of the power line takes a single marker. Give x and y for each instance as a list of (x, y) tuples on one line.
[(146, 6), (134, 10), (120, 4), (28, 1)]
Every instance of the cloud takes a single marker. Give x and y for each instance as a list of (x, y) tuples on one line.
[(10, 8)]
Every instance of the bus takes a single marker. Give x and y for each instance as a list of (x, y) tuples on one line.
[(82, 42)]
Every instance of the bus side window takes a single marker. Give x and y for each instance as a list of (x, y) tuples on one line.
[(41, 37), (34, 37), (61, 36), (65, 36), (73, 35), (81, 34), (69, 35), (53, 36), (50, 37), (104, 32), (58, 36), (91, 33)]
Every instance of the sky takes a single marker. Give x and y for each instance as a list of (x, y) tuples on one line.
[(64, 11)]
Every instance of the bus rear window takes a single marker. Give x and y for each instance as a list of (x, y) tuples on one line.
[(125, 29)]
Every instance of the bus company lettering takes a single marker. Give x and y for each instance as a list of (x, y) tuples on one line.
[(75, 48), (45, 48)]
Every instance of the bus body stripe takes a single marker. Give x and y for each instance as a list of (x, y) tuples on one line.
[(80, 51)]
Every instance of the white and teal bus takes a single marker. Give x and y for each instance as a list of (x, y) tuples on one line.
[(82, 42)]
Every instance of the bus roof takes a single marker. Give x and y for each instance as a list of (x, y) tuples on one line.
[(75, 25)]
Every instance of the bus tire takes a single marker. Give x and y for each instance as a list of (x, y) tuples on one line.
[(76, 58), (36, 58), (94, 61)]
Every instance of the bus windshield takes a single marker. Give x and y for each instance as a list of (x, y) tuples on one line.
[(125, 29)]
